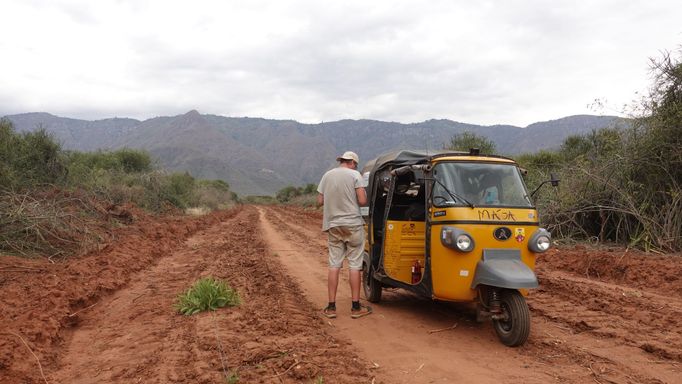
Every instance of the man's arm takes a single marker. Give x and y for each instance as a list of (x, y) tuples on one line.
[(362, 196), (320, 199)]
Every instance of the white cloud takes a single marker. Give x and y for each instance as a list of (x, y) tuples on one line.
[(508, 62)]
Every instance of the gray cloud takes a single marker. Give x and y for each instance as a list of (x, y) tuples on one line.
[(496, 62)]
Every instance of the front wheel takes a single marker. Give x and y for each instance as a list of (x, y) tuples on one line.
[(513, 327), (370, 285)]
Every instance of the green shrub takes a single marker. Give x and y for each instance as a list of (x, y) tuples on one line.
[(29, 159), (467, 140), (122, 160), (214, 194), (219, 185), (285, 194), (178, 189), (260, 199), (206, 294), (232, 377), (131, 160), (291, 194)]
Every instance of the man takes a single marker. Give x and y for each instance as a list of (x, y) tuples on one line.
[(342, 192)]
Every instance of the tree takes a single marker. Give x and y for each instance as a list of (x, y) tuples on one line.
[(626, 185), (466, 140)]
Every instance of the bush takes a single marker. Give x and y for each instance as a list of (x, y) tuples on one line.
[(178, 189), (38, 213), (29, 159), (50, 199), (467, 140), (214, 194), (622, 185), (260, 199), (207, 294), (289, 193), (128, 176)]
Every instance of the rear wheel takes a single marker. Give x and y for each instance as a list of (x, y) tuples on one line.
[(370, 285), (514, 328)]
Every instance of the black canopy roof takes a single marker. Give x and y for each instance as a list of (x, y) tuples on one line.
[(403, 157), (407, 157)]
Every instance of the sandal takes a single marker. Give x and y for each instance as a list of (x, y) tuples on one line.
[(363, 311), (329, 312)]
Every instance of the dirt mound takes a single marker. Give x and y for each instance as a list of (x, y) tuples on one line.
[(40, 299), (615, 312), (618, 265)]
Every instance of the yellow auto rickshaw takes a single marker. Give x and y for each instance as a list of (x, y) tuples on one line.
[(454, 226)]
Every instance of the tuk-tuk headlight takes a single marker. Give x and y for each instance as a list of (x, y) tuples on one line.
[(464, 243), (540, 241), (457, 239), (543, 243)]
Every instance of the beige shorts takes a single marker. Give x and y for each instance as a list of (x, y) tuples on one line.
[(346, 242)]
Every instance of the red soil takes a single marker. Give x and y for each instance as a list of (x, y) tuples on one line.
[(600, 315)]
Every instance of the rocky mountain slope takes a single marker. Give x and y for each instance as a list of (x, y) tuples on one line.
[(260, 156)]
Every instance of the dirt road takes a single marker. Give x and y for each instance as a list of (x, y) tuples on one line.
[(598, 317), (585, 328)]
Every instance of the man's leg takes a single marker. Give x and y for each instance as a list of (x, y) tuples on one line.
[(354, 252), (333, 283), (354, 276), (336, 251)]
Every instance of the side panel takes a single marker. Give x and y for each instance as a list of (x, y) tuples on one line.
[(405, 244), (452, 272)]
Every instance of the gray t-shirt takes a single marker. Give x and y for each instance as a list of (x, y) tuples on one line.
[(340, 200)]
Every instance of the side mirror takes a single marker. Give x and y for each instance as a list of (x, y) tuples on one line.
[(552, 179)]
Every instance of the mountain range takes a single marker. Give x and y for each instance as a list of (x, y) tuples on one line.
[(260, 156)]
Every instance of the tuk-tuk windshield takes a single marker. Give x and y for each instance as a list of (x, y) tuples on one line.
[(479, 184)]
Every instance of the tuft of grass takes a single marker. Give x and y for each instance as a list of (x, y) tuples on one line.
[(207, 294), (233, 378)]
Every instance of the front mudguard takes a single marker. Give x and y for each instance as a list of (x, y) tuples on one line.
[(503, 268)]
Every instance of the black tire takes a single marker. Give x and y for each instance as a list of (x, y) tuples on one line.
[(370, 285), (513, 331)]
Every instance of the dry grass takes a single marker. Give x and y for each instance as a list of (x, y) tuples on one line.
[(50, 224)]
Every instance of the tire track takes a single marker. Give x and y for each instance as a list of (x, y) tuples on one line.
[(633, 317)]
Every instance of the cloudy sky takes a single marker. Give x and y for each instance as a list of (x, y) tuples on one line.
[(482, 62)]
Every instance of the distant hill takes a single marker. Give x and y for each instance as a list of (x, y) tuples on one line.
[(261, 156)]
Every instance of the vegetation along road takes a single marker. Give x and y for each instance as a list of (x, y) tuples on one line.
[(599, 316)]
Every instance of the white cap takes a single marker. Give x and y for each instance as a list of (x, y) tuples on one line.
[(348, 155)]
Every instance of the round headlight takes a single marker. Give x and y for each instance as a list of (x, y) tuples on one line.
[(543, 243), (457, 239), (540, 241), (464, 242)]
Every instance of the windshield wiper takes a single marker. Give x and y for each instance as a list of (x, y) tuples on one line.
[(454, 195)]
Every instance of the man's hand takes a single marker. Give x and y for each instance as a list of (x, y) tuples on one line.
[(320, 199)]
